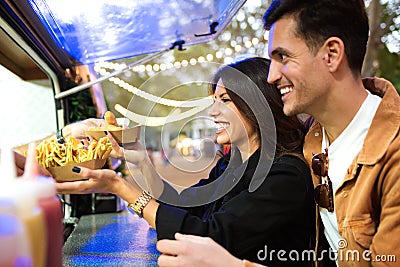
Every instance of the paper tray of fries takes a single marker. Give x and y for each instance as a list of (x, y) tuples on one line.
[(122, 136), (65, 173), (59, 159)]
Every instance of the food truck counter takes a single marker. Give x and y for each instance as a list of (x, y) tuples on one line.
[(111, 239)]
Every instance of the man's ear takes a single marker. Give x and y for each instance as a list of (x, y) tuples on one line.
[(333, 53)]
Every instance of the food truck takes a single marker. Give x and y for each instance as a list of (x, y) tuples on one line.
[(54, 59)]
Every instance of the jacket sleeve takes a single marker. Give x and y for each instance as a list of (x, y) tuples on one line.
[(385, 248), (279, 200)]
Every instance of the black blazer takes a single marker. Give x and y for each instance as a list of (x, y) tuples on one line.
[(279, 215)]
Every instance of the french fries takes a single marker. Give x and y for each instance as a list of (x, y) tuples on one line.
[(110, 119), (50, 153)]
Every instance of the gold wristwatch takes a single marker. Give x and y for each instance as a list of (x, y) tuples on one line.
[(140, 204)]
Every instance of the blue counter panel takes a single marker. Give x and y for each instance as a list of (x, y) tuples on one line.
[(111, 239)]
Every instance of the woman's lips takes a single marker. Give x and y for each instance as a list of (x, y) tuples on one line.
[(221, 126)]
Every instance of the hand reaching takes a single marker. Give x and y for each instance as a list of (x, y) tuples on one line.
[(78, 129), (194, 251)]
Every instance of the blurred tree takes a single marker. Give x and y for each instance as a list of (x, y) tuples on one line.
[(384, 19), (389, 67)]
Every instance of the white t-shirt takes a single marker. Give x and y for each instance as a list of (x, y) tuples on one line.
[(341, 154)]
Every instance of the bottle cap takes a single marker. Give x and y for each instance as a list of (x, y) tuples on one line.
[(14, 190), (44, 186)]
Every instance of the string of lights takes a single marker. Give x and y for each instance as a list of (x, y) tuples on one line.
[(226, 54), (159, 121), (198, 105)]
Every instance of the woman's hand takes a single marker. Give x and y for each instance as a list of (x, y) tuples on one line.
[(107, 181), (98, 181), (194, 251), (117, 151), (136, 153)]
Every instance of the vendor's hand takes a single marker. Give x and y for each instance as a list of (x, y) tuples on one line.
[(19, 163), (23, 165), (98, 181), (78, 129), (195, 251)]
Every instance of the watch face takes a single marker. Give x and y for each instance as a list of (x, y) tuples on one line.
[(134, 209)]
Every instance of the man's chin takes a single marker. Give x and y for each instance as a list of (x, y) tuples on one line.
[(288, 110)]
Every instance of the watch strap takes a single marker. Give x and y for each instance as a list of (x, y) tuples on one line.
[(140, 203)]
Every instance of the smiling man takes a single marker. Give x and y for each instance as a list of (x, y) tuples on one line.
[(317, 50)]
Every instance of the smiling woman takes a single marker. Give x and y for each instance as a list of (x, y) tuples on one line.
[(259, 194), (232, 126)]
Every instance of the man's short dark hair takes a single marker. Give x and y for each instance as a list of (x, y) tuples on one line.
[(317, 20)]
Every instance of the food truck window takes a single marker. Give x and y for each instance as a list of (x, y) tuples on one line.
[(27, 104)]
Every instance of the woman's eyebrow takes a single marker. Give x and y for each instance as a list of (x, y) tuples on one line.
[(222, 94)]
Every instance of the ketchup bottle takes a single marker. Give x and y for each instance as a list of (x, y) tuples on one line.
[(15, 194), (45, 189)]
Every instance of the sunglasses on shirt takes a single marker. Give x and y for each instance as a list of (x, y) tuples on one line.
[(323, 193)]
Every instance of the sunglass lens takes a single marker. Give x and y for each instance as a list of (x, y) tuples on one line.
[(321, 195), (319, 165)]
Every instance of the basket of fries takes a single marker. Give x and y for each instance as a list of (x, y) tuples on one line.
[(59, 159)]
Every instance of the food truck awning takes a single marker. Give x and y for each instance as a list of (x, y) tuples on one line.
[(99, 30), (72, 33)]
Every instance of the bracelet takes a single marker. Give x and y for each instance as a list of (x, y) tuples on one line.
[(59, 136)]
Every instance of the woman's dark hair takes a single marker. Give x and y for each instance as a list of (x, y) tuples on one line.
[(290, 131), (319, 20)]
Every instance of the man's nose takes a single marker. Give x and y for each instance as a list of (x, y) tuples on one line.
[(274, 74)]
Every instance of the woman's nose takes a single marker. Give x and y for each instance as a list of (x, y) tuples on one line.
[(214, 109)]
